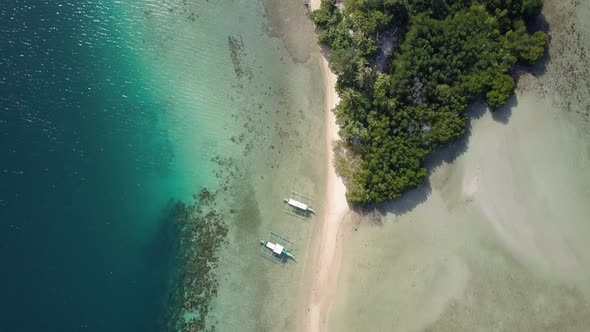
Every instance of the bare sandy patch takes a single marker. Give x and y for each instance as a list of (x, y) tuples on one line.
[(326, 251)]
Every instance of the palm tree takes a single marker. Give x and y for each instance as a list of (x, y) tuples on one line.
[(364, 74)]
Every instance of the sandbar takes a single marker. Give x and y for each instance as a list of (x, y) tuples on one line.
[(322, 275)]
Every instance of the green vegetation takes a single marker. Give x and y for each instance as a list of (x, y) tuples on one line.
[(446, 54), (531, 8)]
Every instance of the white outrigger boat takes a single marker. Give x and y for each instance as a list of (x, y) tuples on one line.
[(277, 249), (298, 205)]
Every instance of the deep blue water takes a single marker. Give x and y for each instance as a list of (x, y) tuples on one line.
[(83, 244)]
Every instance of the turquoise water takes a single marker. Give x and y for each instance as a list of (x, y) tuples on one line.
[(112, 111), (99, 132)]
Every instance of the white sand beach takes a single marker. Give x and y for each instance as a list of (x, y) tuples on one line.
[(326, 245), (325, 253), (314, 4)]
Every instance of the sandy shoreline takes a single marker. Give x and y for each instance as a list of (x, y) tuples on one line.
[(314, 4), (326, 244), (322, 275)]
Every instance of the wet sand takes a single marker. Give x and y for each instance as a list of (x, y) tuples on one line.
[(288, 153), (322, 274), (497, 240), (319, 284)]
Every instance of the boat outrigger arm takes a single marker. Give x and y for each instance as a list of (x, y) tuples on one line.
[(299, 205), (277, 248)]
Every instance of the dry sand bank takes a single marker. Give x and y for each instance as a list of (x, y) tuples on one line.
[(325, 258), (498, 239), (322, 274), (314, 4)]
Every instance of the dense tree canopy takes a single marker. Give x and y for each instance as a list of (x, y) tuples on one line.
[(447, 53)]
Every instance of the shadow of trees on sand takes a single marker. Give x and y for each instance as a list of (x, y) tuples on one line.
[(376, 213)]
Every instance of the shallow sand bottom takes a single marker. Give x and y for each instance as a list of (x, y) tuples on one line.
[(497, 241)]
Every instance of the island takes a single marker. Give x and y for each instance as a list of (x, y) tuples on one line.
[(408, 70)]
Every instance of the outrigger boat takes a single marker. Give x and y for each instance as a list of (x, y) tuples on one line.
[(298, 205), (277, 249)]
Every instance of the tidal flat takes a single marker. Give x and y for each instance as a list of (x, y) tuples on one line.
[(497, 238)]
